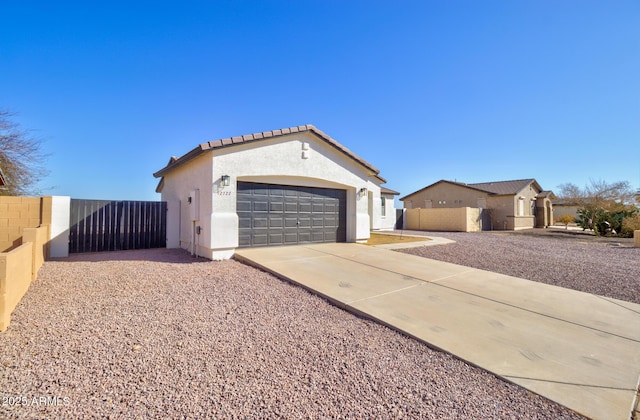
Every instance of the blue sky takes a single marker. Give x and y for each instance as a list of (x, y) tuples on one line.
[(424, 90)]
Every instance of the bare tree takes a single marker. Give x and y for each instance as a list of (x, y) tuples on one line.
[(21, 158), (598, 192), (603, 207), (570, 193)]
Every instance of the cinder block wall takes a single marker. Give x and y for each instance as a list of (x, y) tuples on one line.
[(15, 278), (39, 237), (461, 219), (18, 213), (18, 268)]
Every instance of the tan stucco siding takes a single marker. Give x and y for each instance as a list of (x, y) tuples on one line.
[(561, 210), (500, 208), (445, 196)]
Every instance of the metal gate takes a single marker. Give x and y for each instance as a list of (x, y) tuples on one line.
[(399, 219), (101, 225)]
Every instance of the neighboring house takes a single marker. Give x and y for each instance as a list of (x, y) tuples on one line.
[(387, 209), (509, 205), (288, 186)]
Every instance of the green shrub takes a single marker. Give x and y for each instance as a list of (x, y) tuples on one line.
[(604, 222)]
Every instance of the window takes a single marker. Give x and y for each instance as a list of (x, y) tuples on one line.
[(521, 206), (383, 206)]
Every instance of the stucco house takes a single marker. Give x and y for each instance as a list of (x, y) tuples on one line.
[(508, 205), (287, 186), (387, 219)]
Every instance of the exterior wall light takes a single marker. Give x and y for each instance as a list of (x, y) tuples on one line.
[(362, 192), (225, 180)]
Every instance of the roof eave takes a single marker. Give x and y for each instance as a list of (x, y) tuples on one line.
[(160, 185), (389, 191), (234, 141), (197, 151), (448, 182)]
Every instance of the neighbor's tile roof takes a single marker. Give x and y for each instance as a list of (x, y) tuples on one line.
[(249, 138), (503, 187), (546, 194), (493, 188)]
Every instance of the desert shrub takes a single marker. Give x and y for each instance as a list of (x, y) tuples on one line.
[(629, 224), (604, 222), (565, 219)]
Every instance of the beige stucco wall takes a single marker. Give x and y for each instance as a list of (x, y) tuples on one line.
[(445, 196), (505, 212), (560, 210), (279, 160), (462, 219), (179, 185)]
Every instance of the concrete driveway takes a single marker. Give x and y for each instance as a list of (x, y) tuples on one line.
[(577, 349)]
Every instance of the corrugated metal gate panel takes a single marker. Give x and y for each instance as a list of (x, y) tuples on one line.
[(100, 225), (285, 215)]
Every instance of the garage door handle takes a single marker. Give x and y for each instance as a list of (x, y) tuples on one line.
[(298, 222)]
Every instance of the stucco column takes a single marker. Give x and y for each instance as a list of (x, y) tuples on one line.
[(363, 221), (60, 219), (173, 224)]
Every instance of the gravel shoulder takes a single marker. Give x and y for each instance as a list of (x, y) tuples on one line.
[(602, 266), (159, 334)]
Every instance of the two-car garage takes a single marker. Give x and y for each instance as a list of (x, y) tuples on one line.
[(270, 214), (289, 186)]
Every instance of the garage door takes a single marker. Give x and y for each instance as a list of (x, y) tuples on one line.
[(285, 215)]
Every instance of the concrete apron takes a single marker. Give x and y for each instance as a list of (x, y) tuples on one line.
[(577, 349)]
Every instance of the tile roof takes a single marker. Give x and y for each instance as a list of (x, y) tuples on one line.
[(503, 187), (546, 194), (385, 190), (249, 138), (493, 188)]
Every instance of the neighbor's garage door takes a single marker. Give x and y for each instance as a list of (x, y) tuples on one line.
[(286, 215)]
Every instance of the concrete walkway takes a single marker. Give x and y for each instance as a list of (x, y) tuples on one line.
[(578, 349)]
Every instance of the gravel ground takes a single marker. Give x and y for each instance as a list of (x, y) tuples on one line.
[(603, 266), (159, 334)]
